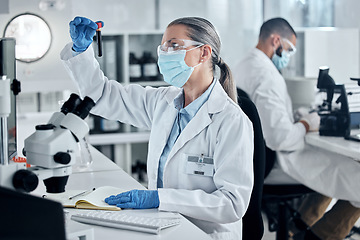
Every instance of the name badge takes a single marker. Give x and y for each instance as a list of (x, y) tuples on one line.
[(200, 165)]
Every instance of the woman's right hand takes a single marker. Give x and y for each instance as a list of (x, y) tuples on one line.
[(82, 31)]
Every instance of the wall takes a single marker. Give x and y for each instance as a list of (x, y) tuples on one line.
[(118, 15), (301, 13), (347, 15), (237, 22)]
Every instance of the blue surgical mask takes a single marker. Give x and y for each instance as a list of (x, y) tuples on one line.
[(281, 62), (173, 67)]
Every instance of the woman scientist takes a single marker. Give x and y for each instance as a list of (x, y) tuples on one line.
[(201, 143)]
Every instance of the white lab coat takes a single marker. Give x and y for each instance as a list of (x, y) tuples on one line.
[(219, 130), (331, 174)]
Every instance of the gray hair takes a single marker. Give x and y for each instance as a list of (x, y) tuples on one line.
[(201, 30)]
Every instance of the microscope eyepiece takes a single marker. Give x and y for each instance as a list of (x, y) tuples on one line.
[(43, 127), (83, 109), (71, 103)]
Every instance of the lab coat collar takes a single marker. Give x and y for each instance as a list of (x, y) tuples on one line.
[(263, 57), (217, 99), (215, 103)]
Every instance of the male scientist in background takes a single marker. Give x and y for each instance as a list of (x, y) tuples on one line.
[(327, 173)]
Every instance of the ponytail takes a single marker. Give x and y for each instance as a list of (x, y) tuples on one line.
[(226, 80)]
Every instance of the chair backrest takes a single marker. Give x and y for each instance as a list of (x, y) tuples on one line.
[(253, 227), (270, 155)]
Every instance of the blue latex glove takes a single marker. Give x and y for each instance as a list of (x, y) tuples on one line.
[(82, 31), (135, 199)]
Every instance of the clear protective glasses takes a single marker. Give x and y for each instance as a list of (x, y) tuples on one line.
[(291, 49), (175, 44)]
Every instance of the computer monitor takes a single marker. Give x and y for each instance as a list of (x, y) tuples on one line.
[(24, 216), (7, 67)]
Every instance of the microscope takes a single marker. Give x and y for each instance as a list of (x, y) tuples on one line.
[(53, 146), (51, 149), (334, 120)]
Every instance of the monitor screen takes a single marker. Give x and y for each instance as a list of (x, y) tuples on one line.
[(7, 68)]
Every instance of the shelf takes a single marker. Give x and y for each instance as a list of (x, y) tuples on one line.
[(119, 138)]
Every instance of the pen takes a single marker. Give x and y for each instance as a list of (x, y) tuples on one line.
[(82, 193)]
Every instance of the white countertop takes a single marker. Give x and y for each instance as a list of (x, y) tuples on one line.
[(335, 144)]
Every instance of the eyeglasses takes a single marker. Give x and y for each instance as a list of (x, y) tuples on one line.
[(175, 44), (292, 49)]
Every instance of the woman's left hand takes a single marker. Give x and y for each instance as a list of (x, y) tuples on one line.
[(135, 199)]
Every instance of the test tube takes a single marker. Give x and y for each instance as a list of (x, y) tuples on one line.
[(98, 37)]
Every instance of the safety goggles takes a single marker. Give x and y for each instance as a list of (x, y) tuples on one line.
[(291, 48), (175, 44)]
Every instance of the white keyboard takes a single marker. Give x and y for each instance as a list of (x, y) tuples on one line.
[(123, 220)]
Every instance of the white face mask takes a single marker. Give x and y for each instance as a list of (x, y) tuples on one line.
[(173, 67)]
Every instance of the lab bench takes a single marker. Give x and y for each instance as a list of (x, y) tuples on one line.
[(337, 145), (103, 172)]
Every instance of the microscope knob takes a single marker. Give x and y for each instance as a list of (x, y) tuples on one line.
[(24, 152), (25, 180), (15, 87), (62, 157)]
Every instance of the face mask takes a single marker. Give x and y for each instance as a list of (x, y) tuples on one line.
[(173, 67), (281, 62)]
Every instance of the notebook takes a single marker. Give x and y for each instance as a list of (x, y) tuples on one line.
[(128, 221), (86, 199)]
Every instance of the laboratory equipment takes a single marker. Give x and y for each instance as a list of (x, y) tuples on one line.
[(100, 24), (134, 68), (356, 79), (334, 115), (353, 92), (150, 70), (53, 146), (8, 112)]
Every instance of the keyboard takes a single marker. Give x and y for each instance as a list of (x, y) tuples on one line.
[(123, 220)]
